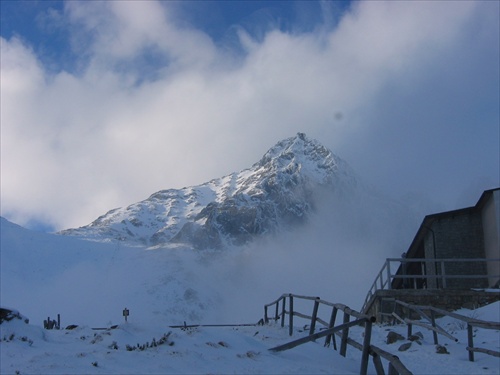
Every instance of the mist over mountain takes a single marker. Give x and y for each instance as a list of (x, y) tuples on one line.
[(89, 284), (294, 179), (299, 220)]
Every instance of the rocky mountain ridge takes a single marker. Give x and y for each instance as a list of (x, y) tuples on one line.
[(276, 192)]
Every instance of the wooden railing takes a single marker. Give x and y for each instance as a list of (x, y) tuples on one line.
[(436, 329), (281, 310), (432, 270)]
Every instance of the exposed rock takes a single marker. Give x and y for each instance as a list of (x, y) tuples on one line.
[(416, 336), (9, 314), (440, 349), (404, 347), (392, 337)]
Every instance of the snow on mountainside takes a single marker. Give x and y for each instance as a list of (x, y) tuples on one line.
[(90, 282), (278, 191)]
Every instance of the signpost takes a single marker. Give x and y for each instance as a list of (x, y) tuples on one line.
[(125, 314)]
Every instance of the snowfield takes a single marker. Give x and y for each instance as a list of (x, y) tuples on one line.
[(129, 349)]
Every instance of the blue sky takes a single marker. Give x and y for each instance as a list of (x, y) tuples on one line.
[(104, 103), (41, 23)]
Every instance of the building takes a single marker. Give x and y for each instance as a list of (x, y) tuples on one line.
[(454, 256), (467, 244)]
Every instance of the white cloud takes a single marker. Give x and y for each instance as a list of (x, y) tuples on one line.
[(121, 31), (77, 144)]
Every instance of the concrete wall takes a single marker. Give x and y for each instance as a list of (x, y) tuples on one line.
[(490, 216)]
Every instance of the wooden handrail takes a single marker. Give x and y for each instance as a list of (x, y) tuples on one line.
[(416, 260), (309, 338), (393, 360), (471, 322), (332, 330), (376, 351), (274, 302), (445, 276), (485, 351), (389, 276)]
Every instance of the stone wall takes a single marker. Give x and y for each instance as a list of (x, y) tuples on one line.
[(450, 300), (457, 236)]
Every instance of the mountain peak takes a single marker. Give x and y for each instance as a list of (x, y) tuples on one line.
[(315, 160), (299, 145), (275, 193)]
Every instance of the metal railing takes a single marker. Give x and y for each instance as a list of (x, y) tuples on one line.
[(433, 274)]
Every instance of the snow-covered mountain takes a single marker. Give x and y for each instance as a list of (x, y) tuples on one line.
[(277, 192)]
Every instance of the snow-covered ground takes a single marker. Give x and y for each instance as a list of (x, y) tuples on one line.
[(89, 284), (29, 349)]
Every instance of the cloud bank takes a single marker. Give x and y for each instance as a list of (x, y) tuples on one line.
[(406, 92)]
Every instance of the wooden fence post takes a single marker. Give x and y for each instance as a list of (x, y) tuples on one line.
[(266, 319), (389, 281), (345, 335), (314, 315), (290, 324), (328, 338), (283, 311), (276, 315), (433, 322), (377, 362), (366, 347), (470, 341), (410, 326)]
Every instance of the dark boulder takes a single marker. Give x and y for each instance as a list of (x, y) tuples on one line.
[(9, 314)]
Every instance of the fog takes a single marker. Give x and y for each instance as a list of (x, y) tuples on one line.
[(336, 256)]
